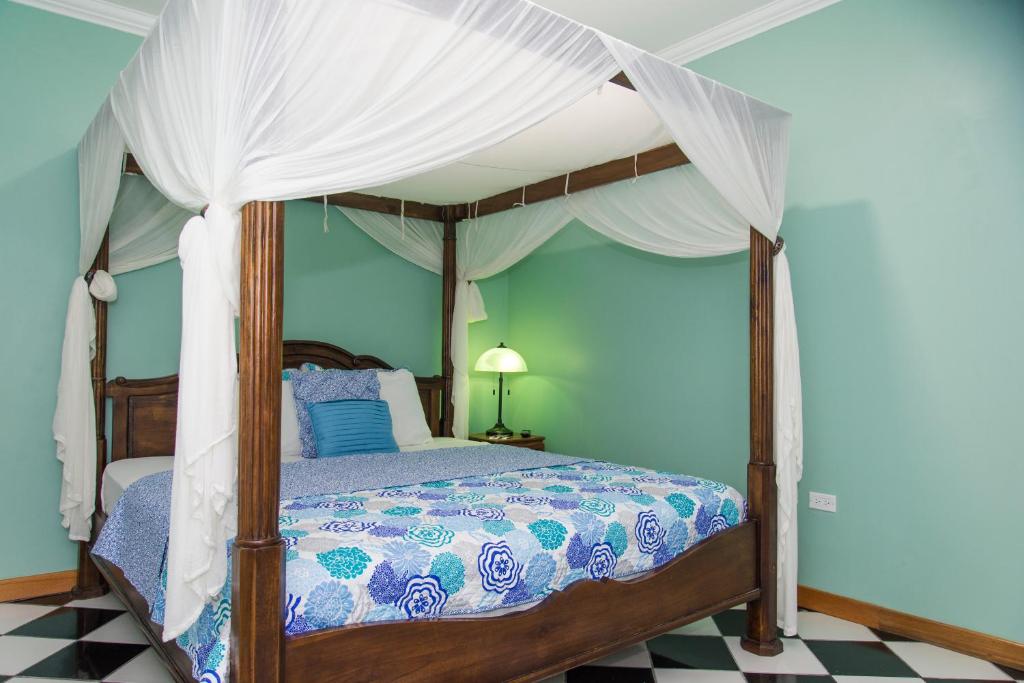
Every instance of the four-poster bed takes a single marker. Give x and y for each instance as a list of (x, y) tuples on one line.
[(588, 618), (712, 576)]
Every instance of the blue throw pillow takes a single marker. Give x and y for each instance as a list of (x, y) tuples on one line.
[(328, 385), (350, 427)]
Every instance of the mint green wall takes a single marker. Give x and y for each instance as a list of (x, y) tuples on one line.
[(144, 324), (344, 288), (54, 73), (904, 219), (633, 357)]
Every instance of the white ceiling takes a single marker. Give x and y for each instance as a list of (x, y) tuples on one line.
[(653, 25), (680, 30)]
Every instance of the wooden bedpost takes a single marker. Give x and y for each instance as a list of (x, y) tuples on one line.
[(257, 589), (89, 583), (762, 633), (448, 279)]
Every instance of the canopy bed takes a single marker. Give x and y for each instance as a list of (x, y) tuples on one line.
[(440, 149)]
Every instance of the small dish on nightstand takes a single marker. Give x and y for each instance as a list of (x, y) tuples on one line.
[(534, 441)]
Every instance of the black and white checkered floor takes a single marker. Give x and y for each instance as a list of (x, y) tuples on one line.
[(95, 640)]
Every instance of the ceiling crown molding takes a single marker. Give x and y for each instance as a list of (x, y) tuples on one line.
[(100, 12), (740, 28)]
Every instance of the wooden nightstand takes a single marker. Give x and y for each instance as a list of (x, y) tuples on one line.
[(533, 441)]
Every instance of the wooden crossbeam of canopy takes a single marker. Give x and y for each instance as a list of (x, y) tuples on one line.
[(621, 79), (369, 202), (651, 161)]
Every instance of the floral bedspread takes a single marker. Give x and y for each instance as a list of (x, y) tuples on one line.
[(468, 546)]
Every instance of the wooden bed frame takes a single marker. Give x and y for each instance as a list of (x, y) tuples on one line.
[(588, 620), (565, 630)]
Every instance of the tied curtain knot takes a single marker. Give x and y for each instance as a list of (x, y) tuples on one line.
[(217, 232), (102, 286)]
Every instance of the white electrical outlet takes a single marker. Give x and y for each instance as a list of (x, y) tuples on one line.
[(823, 501)]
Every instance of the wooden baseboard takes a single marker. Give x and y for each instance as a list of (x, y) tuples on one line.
[(974, 643), (24, 587)]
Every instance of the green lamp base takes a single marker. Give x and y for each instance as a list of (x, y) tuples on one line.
[(500, 430)]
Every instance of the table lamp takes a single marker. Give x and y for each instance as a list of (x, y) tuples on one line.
[(500, 359)]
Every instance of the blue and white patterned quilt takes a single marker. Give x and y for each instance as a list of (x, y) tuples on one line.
[(504, 536)]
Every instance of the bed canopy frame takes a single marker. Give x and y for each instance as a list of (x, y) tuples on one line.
[(734, 567)]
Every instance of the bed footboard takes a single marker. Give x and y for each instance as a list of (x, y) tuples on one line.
[(588, 620)]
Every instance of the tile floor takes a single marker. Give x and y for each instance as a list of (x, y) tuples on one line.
[(96, 640)]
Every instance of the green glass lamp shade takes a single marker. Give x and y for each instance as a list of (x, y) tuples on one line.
[(500, 359)]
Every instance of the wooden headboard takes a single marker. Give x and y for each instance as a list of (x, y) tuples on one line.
[(145, 411)]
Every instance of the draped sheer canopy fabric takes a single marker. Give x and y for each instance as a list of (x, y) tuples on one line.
[(143, 231), (236, 101)]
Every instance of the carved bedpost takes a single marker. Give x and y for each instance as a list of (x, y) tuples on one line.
[(257, 590), (89, 583), (762, 633), (448, 279)]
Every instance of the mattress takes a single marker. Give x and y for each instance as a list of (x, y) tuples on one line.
[(119, 475)]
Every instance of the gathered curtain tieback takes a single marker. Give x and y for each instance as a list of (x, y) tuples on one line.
[(222, 228), (102, 286)]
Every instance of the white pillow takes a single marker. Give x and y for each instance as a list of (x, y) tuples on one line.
[(408, 424), (291, 445)]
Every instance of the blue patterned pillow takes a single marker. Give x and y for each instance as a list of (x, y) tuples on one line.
[(350, 427), (287, 373), (329, 385)]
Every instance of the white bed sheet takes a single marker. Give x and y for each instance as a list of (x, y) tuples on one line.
[(118, 476)]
